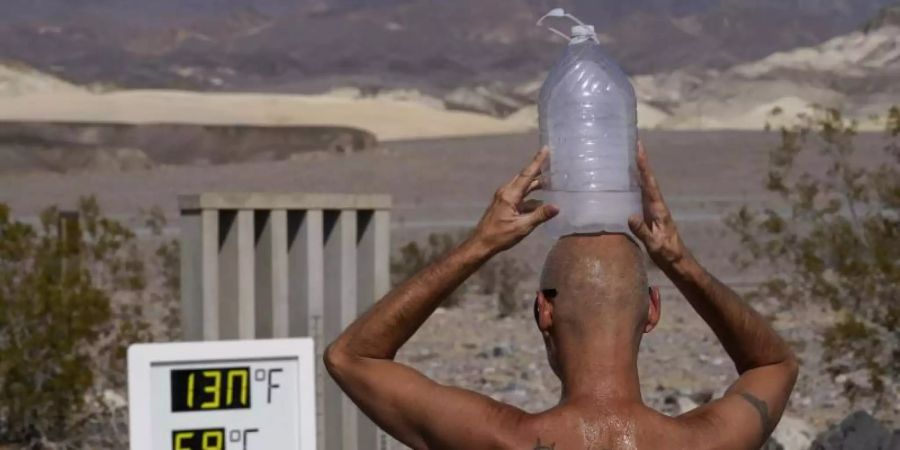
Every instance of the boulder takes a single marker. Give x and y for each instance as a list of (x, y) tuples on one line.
[(859, 431)]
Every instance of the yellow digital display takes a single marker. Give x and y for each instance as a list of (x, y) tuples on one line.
[(210, 389), (210, 439)]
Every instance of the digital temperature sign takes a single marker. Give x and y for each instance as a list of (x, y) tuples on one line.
[(227, 395)]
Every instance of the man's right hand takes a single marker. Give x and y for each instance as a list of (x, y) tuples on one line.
[(767, 366), (510, 218), (656, 228)]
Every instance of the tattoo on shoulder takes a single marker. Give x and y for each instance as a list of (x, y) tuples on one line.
[(762, 409), (540, 446)]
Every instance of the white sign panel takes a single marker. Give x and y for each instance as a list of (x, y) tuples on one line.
[(224, 395)]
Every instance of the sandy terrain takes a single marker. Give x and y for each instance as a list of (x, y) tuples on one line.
[(389, 119), (28, 95)]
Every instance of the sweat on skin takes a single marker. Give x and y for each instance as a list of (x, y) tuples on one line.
[(600, 302), (592, 309)]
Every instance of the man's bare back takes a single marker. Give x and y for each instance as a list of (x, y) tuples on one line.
[(622, 427), (592, 309)]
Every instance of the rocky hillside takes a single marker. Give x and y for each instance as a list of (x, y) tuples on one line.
[(436, 46), (889, 15), (17, 79), (855, 72)]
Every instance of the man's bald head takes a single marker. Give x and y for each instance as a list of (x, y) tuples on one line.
[(599, 284)]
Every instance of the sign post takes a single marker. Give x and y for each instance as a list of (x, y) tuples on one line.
[(224, 395)]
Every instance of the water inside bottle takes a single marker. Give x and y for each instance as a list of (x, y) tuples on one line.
[(588, 119)]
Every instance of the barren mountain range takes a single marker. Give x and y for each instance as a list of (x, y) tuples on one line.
[(432, 45), (854, 72)]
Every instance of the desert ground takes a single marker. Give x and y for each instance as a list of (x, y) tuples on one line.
[(443, 186)]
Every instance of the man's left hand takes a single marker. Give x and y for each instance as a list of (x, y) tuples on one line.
[(510, 218)]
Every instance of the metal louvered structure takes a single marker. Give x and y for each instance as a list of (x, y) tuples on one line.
[(257, 266)]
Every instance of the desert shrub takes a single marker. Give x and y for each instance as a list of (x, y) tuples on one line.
[(837, 243), (414, 256), (73, 296), (888, 15), (500, 277), (167, 271)]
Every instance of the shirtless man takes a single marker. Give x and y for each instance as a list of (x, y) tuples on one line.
[(592, 309)]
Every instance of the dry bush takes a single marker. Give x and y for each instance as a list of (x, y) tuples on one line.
[(73, 295), (415, 256), (166, 271), (500, 277), (837, 244)]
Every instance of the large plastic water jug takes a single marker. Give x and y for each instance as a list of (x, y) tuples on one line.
[(588, 119)]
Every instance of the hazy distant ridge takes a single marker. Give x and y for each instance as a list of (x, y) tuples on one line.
[(309, 45)]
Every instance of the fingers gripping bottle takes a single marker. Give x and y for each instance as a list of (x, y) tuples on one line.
[(588, 119)]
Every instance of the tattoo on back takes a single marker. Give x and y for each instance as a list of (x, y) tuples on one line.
[(540, 446), (762, 409)]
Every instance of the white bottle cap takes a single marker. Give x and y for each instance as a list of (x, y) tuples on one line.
[(583, 31), (580, 32)]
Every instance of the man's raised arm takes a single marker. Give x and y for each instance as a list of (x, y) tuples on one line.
[(401, 401), (767, 366)]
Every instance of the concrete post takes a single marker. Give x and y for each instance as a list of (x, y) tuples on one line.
[(373, 282), (340, 308)]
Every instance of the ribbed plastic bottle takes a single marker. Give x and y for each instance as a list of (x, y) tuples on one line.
[(588, 119)]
